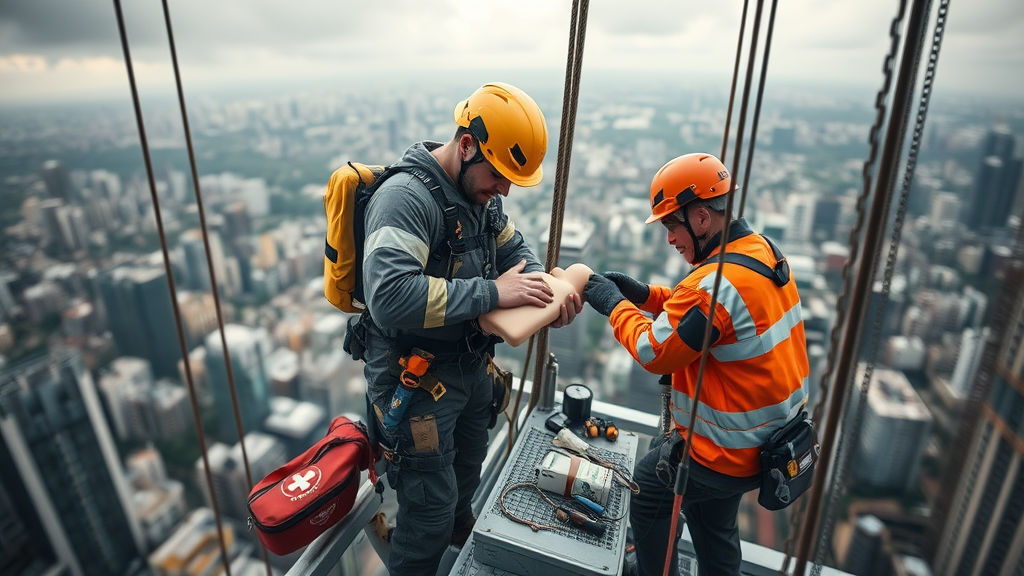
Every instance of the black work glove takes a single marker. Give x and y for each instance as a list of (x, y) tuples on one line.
[(634, 290), (602, 294)]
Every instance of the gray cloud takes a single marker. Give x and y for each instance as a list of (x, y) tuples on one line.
[(227, 40)]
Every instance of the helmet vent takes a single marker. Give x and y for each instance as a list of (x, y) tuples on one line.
[(517, 155)]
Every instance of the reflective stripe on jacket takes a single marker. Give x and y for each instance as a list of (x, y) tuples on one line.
[(410, 293), (756, 377)]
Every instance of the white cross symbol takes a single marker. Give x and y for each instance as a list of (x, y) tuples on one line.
[(301, 482)]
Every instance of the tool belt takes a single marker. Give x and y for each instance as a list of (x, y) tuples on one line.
[(475, 342)]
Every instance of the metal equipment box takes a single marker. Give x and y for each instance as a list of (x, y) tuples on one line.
[(514, 548)]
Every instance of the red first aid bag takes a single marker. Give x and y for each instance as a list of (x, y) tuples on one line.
[(300, 500)]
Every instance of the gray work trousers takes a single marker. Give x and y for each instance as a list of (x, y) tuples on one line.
[(440, 447), (711, 504)]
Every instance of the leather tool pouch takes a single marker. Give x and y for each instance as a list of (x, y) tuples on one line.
[(502, 392), (787, 463)]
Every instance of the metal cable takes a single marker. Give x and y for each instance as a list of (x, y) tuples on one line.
[(746, 92), (684, 459), (570, 99), (170, 282), (209, 264), (888, 164), (757, 106), (873, 139), (843, 454), (735, 75)]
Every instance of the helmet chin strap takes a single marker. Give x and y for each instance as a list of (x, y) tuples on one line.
[(699, 242), (477, 158)]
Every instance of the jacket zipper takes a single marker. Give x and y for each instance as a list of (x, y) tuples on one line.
[(317, 503)]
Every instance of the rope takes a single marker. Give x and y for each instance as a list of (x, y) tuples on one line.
[(570, 99), (888, 164), (513, 421), (209, 264), (757, 106), (535, 526), (746, 93), (170, 282), (844, 456), (684, 463), (735, 75)]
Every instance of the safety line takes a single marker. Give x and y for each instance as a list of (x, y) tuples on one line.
[(570, 99), (888, 165), (735, 75), (684, 461), (757, 107), (209, 264), (170, 282)]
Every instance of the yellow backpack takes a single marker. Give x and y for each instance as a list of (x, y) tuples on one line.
[(348, 192)]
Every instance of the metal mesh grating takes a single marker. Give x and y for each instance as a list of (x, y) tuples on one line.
[(526, 503)]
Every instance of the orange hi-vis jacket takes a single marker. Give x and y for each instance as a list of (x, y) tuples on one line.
[(756, 375)]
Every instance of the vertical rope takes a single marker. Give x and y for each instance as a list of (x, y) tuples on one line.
[(735, 75), (570, 99), (209, 264), (888, 164), (757, 107), (170, 282), (746, 95), (684, 460)]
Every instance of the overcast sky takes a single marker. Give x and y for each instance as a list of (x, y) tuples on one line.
[(52, 50)]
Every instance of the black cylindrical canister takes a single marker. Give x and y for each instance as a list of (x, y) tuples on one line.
[(576, 403)]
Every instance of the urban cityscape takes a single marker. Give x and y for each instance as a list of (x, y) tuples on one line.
[(102, 464)]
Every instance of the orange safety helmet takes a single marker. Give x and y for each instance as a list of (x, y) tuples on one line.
[(684, 179), (510, 129)]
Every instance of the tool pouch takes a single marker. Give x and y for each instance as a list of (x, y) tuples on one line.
[(787, 463), (355, 338), (502, 391), (669, 447)]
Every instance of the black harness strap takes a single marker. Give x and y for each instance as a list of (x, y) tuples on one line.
[(779, 275)]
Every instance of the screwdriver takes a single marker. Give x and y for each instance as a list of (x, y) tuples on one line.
[(577, 518)]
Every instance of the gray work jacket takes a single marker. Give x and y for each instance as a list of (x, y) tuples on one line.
[(408, 291)]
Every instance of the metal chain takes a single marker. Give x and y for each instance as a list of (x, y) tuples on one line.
[(844, 457), (873, 139)]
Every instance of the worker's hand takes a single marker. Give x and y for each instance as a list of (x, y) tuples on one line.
[(634, 290), (572, 306), (602, 294), (517, 289)]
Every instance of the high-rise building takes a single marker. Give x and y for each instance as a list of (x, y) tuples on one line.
[(194, 548), (139, 312), (799, 216), (197, 272), (996, 182), (893, 433), (971, 345), (569, 343), (264, 453), (248, 349), (116, 384), (62, 451), (298, 425), (24, 547), (56, 178), (865, 555), (980, 513)]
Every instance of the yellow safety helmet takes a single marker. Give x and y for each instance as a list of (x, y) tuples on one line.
[(685, 179), (510, 129)]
